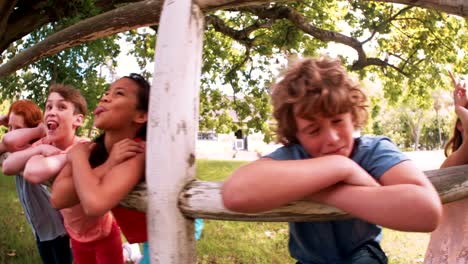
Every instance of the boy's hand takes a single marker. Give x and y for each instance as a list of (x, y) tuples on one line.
[(360, 177), (48, 150), (124, 150), (79, 150), (42, 129)]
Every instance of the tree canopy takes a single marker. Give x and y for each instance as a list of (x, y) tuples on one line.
[(405, 49)]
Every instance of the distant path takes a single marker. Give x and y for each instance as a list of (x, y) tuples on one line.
[(427, 160)]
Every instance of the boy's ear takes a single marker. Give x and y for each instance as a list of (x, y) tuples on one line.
[(79, 118), (141, 117)]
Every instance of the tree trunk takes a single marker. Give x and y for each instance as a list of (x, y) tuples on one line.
[(172, 124), (439, 132)]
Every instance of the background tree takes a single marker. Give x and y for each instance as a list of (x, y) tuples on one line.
[(405, 47)]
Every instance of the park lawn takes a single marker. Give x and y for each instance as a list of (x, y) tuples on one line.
[(17, 244), (222, 242)]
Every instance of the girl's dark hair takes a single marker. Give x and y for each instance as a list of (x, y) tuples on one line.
[(143, 98), (455, 141)]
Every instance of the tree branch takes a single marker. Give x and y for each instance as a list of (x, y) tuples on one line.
[(31, 15), (386, 22), (459, 8), (241, 36), (284, 12), (6, 8), (358, 65), (238, 65), (112, 22)]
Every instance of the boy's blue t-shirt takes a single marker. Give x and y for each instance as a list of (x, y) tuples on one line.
[(331, 241)]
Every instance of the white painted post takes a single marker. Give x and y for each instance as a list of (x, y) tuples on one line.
[(173, 123)]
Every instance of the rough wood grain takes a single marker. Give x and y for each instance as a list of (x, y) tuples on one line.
[(203, 200)]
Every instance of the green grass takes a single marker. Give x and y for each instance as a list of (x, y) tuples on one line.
[(216, 170), (17, 244), (223, 242)]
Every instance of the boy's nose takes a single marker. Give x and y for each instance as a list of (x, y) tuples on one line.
[(331, 136), (51, 111)]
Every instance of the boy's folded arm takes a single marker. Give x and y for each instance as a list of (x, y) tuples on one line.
[(20, 138), (63, 193), (16, 162), (3, 148), (406, 201), (267, 184), (39, 168)]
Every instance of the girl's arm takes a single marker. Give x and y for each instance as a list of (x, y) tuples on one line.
[(266, 184), (16, 162), (125, 168), (99, 195), (63, 194), (458, 157), (406, 200), (20, 139)]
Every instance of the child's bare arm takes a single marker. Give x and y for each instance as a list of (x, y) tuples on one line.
[(458, 157), (406, 200), (40, 168), (20, 139), (63, 193), (266, 184), (16, 162), (99, 192), (2, 148), (100, 189)]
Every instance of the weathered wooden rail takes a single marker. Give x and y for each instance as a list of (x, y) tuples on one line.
[(202, 199)]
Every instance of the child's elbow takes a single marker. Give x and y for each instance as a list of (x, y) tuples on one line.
[(433, 216), (94, 211), (8, 143), (33, 175), (233, 200), (8, 168), (428, 215), (55, 202), (93, 208)]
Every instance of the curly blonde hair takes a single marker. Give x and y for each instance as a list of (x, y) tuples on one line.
[(315, 86)]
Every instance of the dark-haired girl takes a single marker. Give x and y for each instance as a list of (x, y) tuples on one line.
[(105, 171)]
